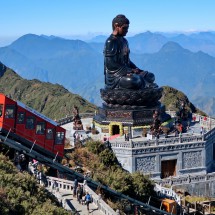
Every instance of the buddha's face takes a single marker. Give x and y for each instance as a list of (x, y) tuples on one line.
[(121, 30)]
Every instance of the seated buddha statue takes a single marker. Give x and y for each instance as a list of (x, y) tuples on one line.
[(120, 72)]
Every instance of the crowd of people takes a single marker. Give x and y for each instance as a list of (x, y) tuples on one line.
[(33, 167), (82, 196)]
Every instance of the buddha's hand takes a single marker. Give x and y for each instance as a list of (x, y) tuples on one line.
[(136, 71), (142, 72), (129, 74)]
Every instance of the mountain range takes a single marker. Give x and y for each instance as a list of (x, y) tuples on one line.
[(184, 62), (56, 102)]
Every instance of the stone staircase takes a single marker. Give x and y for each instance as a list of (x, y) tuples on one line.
[(63, 191)]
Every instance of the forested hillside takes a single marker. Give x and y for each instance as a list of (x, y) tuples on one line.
[(53, 100), (20, 193)]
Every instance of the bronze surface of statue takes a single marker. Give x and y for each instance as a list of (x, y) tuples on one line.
[(77, 123), (125, 83)]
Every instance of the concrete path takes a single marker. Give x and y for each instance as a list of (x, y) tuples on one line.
[(70, 203)]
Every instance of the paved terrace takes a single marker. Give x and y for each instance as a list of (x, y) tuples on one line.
[(193, 132)]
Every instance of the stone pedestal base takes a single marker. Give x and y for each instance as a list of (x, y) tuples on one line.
[(140, 116)]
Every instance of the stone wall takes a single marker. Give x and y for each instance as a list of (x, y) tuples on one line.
[(146, 156)]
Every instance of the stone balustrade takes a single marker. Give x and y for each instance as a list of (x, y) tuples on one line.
[(206, 122), (101, 204), (66, 185), (61, 184), (167, 192), (186, 179), (69, 119), (209, 134), (119, 143)]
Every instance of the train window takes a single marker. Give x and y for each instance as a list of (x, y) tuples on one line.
[(9, 112), (59, 138), (30, 122), (20, 118), (40, 128), (49, 134), (1, 110)]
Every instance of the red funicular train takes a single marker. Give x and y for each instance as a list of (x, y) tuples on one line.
[(31, 127)]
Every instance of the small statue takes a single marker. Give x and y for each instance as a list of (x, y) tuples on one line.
[(156, 125), (182, 114), (77, 123)]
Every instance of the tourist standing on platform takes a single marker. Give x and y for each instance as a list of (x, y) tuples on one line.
[(81, 139), (54, 186), (78, 192), (75, 187), (23, 163), (16, 161), (201, 131), (81, 194), (88, 200)]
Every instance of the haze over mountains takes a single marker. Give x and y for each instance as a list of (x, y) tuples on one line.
[(52, 100), (185, 62)]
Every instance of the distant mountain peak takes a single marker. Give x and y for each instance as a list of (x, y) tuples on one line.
[(171, 47), (51, 37), (147, 35)]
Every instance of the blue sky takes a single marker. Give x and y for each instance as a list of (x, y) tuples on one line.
[(86, 17)]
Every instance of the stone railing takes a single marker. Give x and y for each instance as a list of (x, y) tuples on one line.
[(61, 184), (101, 204), (158, 142), (67, 186), (209, 134), (69, 119), (185, 179), (167, 192), (205, 121)]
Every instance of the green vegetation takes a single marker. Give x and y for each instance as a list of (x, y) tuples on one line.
[(105, 168), (20, 193), (172, 99), (52, 100)]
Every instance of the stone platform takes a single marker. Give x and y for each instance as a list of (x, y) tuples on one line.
[(138, 116)]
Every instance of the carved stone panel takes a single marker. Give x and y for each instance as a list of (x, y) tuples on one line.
[(143, 114), (146, 164), (192, 159), (119, 114)]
